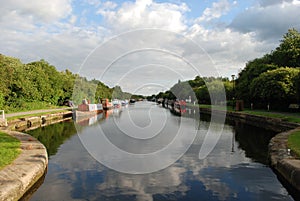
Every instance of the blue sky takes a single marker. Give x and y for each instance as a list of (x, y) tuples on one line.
[(67, 33)]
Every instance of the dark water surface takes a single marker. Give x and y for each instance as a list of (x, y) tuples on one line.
[(236, 169)]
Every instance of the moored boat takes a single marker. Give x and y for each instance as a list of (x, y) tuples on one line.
[(116, 103), (106, 104), (179, 107), (88, 109)]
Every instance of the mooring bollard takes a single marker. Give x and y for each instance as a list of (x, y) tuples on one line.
[(3, 121)]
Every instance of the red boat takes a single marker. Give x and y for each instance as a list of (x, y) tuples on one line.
[(106, 104), (179, 107)]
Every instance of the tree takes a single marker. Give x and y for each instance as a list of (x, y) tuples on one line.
[(275, 87), (288, 52), (216, 91), (202, 95)]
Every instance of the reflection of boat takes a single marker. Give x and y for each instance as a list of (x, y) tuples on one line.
[(106, 104), (179, 107), (88, 120), (88, 109), (117, 111), (108, 113), (116, 103)]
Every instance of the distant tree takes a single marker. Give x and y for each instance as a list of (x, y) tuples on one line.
[(117, 93), (202, 95), (288, 52), (216, 92)]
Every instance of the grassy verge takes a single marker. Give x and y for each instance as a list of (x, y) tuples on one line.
[(284, 116), (9, 149), (28, 106), (294, 142), (290, 117)]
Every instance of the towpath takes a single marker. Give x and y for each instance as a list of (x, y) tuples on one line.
[(35, 112)]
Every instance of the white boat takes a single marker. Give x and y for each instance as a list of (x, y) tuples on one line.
[(116, 103)]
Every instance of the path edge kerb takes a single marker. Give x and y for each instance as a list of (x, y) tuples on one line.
[(18, 177), (282, 160)]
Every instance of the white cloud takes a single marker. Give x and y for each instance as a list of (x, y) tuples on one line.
[(216, 11), (109, 5), (38, 11), (228, 49), (64, 32), (146, 14)]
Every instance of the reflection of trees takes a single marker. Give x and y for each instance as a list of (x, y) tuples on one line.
[(54, 135), (254, 141)]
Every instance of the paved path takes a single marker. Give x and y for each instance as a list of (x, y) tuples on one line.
[(35, 112)]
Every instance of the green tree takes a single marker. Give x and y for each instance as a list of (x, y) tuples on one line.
[(202, 95), (288, 52), (276, 87), (216, 91)]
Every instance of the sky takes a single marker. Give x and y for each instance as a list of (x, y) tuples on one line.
[(145, 46)]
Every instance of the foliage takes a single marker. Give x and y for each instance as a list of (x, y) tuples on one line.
[(267, 78), (288, 52), (9, 149), (204, 90), (38, 85), (275, 87), (273, 79)]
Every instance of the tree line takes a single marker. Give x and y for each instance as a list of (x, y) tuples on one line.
[(38, 85), (272, 80)]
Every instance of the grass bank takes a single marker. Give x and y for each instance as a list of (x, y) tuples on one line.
[(294, 142), (28, 106), (284, 116), (9, 149)]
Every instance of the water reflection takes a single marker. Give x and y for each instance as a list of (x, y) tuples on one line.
[(224, 175), (52, 136)]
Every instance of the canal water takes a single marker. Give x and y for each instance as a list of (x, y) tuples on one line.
[(235, 169)]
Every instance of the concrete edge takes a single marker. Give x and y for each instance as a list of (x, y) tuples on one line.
[(18, 177), (283, 161)]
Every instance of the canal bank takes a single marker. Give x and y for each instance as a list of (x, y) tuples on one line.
[(18, 177), (36, 120), (285, 164), (284, 161), (24, 172), (249, 119)]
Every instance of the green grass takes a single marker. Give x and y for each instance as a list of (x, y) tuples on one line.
[(294, 142), (290, 117), (284, 116), (28, 106), (9, 149)]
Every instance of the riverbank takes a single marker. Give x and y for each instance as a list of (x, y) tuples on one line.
[(18, 177), (26, 121), (284, 161)]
